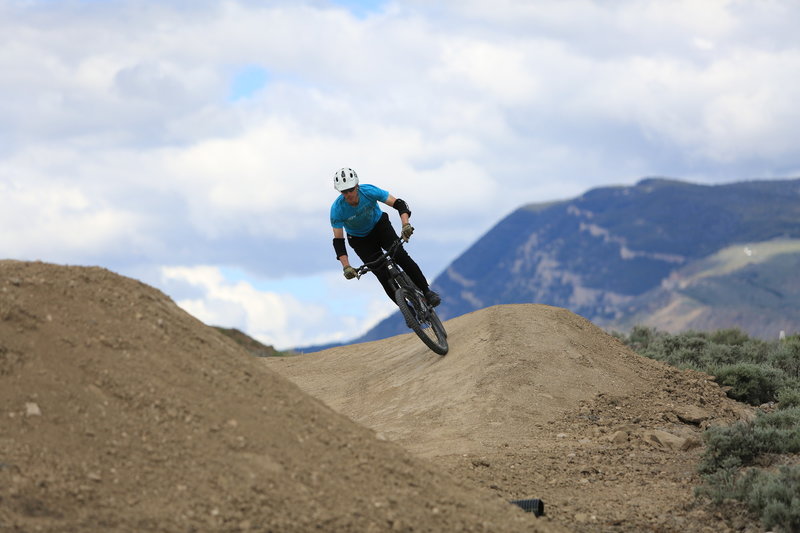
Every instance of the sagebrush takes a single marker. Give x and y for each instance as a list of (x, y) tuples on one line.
[(760, 373)]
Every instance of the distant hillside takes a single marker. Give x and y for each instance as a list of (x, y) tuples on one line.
[(666, 253)]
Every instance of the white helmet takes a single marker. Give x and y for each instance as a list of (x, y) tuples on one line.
[(345, 178)]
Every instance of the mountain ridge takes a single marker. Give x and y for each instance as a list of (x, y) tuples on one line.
[(605, 253)]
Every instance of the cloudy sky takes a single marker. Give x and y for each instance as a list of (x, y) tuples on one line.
[(191, 144)]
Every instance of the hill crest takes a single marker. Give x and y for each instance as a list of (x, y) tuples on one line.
[(122, 412), (511, 371)]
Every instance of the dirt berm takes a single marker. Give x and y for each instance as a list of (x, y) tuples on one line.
[(534, 401), (120, 412)]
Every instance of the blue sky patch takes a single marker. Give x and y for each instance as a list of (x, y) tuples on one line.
[(301, 287), (361, 8), (248, 81)]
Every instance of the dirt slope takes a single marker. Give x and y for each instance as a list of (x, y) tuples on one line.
[(535, 401), (120, 412)]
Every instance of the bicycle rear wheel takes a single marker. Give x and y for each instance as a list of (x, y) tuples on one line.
[(422, 319)]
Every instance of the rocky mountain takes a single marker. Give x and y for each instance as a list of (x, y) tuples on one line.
[(663, 252)]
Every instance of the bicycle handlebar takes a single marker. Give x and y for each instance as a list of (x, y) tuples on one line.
[(369, 266)]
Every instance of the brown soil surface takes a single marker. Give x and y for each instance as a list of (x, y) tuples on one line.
[(120, 412), (536, 402), (248, 343)]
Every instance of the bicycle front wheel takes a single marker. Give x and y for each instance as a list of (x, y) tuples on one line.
[(422, 319)]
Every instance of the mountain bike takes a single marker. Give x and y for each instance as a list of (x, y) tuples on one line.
[(416, 311)]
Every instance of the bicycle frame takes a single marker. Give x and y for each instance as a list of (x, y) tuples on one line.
[(395, 272), (387, 257), (418, 314)]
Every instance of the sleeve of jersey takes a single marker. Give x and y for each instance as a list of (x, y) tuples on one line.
[(375, 193)]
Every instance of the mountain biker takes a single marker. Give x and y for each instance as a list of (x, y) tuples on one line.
[(369, 231)]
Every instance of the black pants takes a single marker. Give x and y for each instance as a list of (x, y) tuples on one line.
[(371, 246)]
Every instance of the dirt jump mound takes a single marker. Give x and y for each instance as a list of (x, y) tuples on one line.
[(535, 401), (511, 370), (121, 412)]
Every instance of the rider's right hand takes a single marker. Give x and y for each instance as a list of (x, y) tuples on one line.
[(349, 272), (406, 232)]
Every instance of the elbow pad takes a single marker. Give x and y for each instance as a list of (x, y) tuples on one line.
[(401, 206), (338, 245)]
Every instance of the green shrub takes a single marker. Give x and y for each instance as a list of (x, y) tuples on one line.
[(751, 383), (781, 419), (722, 354), (721, 484), (757, 372), (741, 443), (641, 337), (775, 497), (686, 357), (757, 351), (772, 496), (698, 350), (731, 337), (789, 398), (683, 350), (729, 447), (787, 357), (754, 369)]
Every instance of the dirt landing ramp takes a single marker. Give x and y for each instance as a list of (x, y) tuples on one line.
[(535, 401), (120, 412), (511, 369)]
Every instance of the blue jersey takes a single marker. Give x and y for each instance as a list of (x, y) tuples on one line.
[(359, 220)]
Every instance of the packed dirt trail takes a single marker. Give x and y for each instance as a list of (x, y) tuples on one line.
[(534, 401), (121, 412)]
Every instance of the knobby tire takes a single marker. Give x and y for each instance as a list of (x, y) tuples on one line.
[(432, 332)]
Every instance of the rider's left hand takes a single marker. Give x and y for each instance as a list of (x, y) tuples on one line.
[(406, 232)]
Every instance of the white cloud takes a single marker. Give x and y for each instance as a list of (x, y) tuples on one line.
[(120, 145), (265, 315), (58, 221), (278, 319), (499, 72), (736, 109)]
